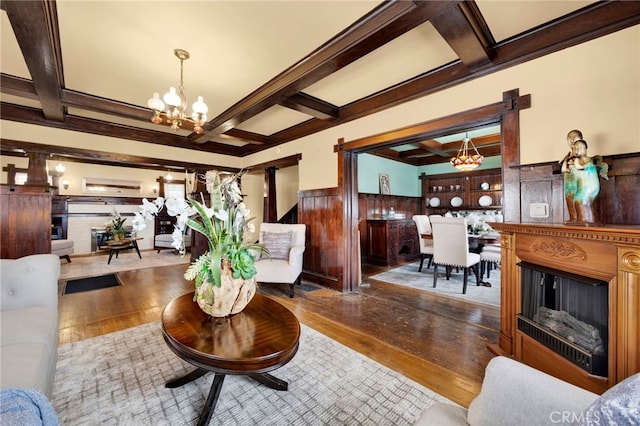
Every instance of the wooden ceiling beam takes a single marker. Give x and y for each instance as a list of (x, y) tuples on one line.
[(70, 154), (312, 106), (461, 28), (72, 98), (248, 137), (593, 21), (29, 115), (384, 23), (35, 25), (17, 86)]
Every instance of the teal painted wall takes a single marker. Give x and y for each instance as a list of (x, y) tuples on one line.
[(404, 178)]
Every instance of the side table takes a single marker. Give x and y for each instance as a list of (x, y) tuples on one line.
[(125, 244)]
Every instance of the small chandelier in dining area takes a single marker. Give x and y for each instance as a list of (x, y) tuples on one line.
[(173, 104), (466, 160)]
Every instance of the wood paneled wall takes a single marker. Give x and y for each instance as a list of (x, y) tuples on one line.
[(322, 211), (25, 220), (617, 204)]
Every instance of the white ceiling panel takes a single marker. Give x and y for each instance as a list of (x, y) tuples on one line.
[(272, 120), (507, 18), (124, 49), (407, 56)]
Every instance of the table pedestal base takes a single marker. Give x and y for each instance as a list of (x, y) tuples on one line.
[(214, 393)]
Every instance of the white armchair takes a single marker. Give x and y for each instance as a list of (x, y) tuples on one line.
[(286, 244)]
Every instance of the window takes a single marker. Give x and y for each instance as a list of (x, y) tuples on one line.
[(173, 190)]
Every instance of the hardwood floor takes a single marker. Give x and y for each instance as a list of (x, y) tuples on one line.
[(436, 341)]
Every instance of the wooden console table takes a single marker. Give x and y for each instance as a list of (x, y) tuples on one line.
[(610, 254)]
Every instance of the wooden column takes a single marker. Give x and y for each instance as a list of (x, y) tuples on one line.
[(37, 171), (270, 210)]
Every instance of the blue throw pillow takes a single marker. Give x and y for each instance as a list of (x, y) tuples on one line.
[(619, 406)]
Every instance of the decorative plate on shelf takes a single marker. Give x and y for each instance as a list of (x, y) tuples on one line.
[(456, 202), (484, 185), (434, 202), (485, 201)]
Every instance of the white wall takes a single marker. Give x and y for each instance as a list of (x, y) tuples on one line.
[(594, 87)]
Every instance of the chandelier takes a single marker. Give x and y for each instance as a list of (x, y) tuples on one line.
[(176, 104), (464, 160)]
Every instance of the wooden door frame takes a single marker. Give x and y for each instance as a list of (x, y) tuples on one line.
[(505, 112)]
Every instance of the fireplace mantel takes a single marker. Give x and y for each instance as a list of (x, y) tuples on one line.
[(608, 253)]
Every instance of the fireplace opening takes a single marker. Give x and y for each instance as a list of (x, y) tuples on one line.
[(567, 313)]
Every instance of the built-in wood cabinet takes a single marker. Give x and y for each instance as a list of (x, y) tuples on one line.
[(25, 220), (391, 241), (470, 189)]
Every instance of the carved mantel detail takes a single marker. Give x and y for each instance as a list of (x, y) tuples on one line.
[(559, 249), (630, 261)]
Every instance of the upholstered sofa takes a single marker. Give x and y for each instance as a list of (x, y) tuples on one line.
[(515, 394), (29, 322)]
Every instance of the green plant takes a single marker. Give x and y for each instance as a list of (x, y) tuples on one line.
[(115, 225), (223, 224)]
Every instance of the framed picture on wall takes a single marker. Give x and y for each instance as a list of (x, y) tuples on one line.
[(385, 188)]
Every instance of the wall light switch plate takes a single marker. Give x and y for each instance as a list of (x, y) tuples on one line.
[(539, 210)]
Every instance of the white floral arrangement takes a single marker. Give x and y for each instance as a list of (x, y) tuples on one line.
[(223, 224)]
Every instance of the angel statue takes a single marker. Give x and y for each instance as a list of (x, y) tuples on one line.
[(581, 179)]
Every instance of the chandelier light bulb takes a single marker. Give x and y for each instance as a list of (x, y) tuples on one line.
[(199, 106), (155, 103), (171, 98), (60, 168)]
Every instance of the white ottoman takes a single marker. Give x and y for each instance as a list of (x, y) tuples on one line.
[(62, 248)]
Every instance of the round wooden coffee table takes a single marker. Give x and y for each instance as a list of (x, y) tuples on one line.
[(261, 338)]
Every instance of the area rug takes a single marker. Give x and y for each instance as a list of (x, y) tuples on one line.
[(408, 275), (118, 379), (87, 266), (91, 283)]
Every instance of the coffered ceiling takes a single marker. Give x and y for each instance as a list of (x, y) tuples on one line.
[(270, 71)]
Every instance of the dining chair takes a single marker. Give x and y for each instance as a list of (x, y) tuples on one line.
[(490, 257), (426, 244), (451, 248)]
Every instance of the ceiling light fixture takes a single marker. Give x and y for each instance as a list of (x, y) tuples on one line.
[(176, 104), (466, 161)]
